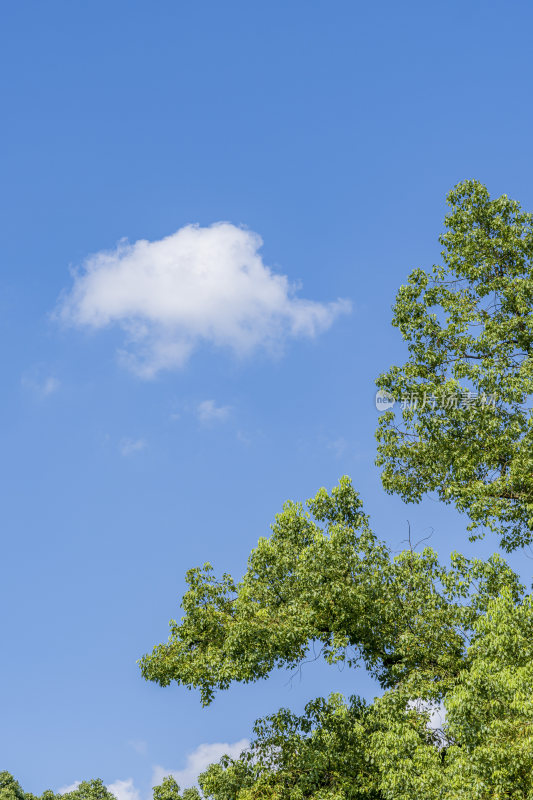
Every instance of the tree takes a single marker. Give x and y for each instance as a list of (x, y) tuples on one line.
[(490, 710), (169, 790), (10, 789), (324, 579), (466, 429), (456, 637), (322, 751)]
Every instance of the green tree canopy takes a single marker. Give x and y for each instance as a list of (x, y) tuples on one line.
[(10, 789), (169, 790), (323, 752), (455, 635), (466, 429), (324, 579)]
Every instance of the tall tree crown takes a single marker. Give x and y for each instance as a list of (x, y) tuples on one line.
[(462, 425)]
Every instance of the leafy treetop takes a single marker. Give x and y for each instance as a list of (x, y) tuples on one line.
[(469, 329), (324, 579)]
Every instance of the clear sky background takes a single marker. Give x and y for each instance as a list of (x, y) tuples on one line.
[(141, 437)]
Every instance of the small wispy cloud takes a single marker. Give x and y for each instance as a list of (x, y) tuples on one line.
[(50, 385), (208, 411), (140, 746), (198, 761), (337, 446), (244, 438), (42, 386), (128, 447), (124, 790), (197, 286), (437, 716), (70, 788)]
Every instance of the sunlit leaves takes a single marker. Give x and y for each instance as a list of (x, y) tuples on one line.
[(469, 329)]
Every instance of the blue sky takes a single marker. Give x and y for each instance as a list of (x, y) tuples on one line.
[(140, 438)]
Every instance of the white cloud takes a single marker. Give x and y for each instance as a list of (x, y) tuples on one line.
[(50, 385), (124, 790), (198, 761), (198, 285), (70, 788), (244, 438), (208, 411), (437, 715), (128, 447), (140, 746), (337, 446), (42, 386)]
